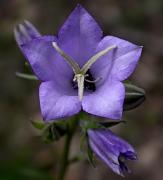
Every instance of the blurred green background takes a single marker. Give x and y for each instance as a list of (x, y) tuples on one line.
[(23, 155)]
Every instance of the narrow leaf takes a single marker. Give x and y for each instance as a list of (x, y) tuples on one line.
[(38, 125), (110, 123), (90, 155), (134, 97), (26, 76)]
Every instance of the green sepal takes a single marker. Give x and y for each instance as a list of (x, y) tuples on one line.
[(26, 76), (54, 132), (85, 148), (109, 124), (90, 155), (83, 140), (134, 97), (90, 124), (38, 125)]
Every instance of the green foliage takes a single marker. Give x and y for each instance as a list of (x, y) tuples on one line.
[(19, 171), (38, 125), (54, 132), (134, 97), (26, 76)]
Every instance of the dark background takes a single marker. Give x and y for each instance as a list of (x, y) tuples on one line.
[(23, 155)]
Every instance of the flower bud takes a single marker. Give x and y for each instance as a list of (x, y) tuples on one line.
[(111, 149)]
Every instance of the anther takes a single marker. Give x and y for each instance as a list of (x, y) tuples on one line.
[(94, 81)]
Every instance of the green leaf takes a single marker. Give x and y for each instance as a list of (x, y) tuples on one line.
[(89, 124), (26, 76), (54, 132), (110, 123), (83, 140), (90, 155), (134, 97), (38, 124), (84, 147)]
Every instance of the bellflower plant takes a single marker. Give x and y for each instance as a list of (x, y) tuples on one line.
[(79, 68), (111, 149)]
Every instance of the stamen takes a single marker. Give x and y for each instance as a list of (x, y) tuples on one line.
[(86, 75), (94, 58), (96, 80), (75, 67)]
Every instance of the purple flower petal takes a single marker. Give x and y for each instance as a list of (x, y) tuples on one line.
[(106, 101), (56, 103), (45, 61), (111, 149), (79, 35), (120, 62), (25, 32)]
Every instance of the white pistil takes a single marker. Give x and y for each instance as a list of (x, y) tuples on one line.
[(80, 73), (80, 80)]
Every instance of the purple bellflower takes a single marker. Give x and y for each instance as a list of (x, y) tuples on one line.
[(79, 68), (111, 149)]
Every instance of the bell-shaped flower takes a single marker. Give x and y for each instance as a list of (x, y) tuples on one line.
[(111, 149), (79, 68)]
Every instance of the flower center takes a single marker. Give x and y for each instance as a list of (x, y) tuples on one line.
[(89, 82), (82, 75)]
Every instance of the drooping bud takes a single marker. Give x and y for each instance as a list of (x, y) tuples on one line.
[(111, 149)]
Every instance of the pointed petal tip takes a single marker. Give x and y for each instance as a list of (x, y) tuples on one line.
[(15, 30), (17, 35), (26, 22), (79, 6), (131, 155), (135, 156)]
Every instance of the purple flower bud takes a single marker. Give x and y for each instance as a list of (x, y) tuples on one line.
[(111, 149)]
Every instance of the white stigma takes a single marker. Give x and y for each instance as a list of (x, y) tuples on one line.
[(75, 67)]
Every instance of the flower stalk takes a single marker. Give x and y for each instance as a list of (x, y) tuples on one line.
[(65, 156), (64, 160)]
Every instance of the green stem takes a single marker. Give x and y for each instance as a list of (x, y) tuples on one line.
[(64, 160), (65, 155)]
